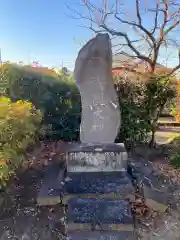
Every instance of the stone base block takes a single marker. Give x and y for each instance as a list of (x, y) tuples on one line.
[(114, 185), (99, 214), (95, 158)]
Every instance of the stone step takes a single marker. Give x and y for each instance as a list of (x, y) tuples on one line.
[(101, 235), (49, 193), (116, 185), (97, 214)]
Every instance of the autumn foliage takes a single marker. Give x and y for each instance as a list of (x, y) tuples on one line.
[(177, 116), (19, 126), (43, 71)]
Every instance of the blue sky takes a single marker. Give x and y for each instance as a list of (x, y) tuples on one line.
[(40, 30)]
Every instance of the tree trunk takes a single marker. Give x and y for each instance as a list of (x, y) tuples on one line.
[(152, 142)]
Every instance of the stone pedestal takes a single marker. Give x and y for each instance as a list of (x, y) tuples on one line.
[(96, 158), (97, 191)]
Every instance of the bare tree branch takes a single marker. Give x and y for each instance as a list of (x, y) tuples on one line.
[(177, 67), (155, 19), (171, 27), (125, 44), (138, 13), (138, 26), (129, 43), (165, 17), (155, 38)]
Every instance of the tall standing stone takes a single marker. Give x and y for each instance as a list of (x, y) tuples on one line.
[(97, 187), (100, 120)]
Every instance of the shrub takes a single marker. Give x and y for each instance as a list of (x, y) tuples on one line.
[(142, 102), (3, 78), (159, 91), (175, 160), (177, 105), (19, 126), (135, 125), (55, 95), (174, 154)]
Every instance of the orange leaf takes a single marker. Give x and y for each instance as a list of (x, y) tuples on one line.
[(2, 162)]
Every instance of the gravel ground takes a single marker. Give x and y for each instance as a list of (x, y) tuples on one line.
[(22, 219), (166, 227)]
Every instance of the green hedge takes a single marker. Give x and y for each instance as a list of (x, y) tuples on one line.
[(56, 96)]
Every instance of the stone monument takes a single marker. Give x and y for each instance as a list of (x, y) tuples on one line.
[(96, 187), (100, 120)]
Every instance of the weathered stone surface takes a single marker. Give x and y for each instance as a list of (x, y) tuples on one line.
[(100, 121), (155, 199), (97, 161), (50, 191), (99, 235), (98, 213), (155, 189), (96, 157), (114, 185)]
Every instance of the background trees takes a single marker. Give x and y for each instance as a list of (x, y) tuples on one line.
[(149, 32)]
